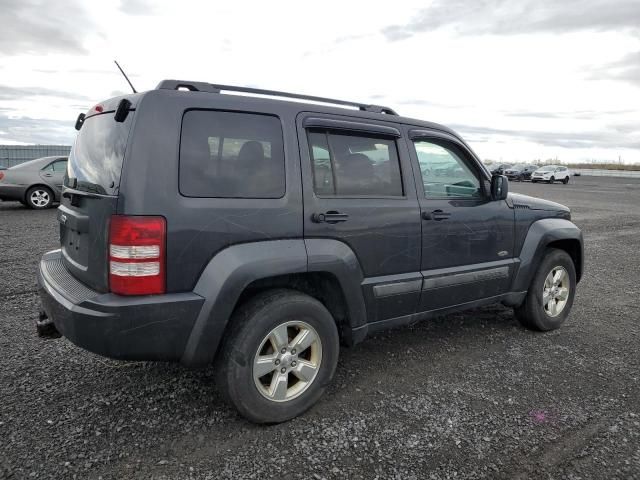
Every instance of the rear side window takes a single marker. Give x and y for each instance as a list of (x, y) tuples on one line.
[(57, 166), (231, 155), (354, 165)]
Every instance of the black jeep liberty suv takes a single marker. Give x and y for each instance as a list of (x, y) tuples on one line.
[(259, 233)]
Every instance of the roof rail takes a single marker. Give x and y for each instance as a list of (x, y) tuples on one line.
[(214, 88)]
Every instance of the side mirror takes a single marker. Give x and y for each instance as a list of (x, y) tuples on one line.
[(499, 187)]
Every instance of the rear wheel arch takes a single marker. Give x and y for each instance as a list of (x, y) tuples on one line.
[(323, 286), (236, 272)]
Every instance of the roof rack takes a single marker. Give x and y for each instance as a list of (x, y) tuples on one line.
[(214, 88)]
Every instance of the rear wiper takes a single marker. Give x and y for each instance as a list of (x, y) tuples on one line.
[(83, 186)]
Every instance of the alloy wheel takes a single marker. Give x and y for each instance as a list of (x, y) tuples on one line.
[(555, 291), (40, 198), (287, 361)]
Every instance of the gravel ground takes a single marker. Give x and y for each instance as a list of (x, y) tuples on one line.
[(469, 395)]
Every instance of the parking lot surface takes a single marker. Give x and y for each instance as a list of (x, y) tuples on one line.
[(469, 395)]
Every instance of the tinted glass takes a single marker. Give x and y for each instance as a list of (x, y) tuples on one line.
[(60, 166), (354, 165), (97, 154), (231, 155), (444, 172)]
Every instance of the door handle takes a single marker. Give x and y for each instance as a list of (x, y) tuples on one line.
[(48, 175), (329, 217), (436, 215)]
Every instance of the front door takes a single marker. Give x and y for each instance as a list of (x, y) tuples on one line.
[(359, 190), (467, 238)]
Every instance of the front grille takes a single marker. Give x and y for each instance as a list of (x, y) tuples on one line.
[(61, 280)]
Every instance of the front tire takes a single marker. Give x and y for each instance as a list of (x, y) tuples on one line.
[(552, 179), (550, 296), (279, 355), (39, 198)]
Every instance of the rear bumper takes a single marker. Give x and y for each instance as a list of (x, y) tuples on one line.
[(153, 327), (12, 192)]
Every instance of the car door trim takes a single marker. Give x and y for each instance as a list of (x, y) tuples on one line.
[(335, 124), (397, 288), (450, 276)]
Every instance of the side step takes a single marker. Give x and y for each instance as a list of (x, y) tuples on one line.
[(45, 327)]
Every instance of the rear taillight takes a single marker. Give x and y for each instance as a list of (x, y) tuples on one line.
[(137, 255), (1, 175)]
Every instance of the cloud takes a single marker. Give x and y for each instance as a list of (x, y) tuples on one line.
[(136, 7), (39, 131), (40, 26), (605, 138), (572, 115), (506, 17), (626, 69), (12, 93)]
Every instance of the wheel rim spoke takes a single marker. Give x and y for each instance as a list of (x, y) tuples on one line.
[(278, 388), (557, 276), (563, 293), (264, 365), (304, 371), (303, 340), (279, 337)]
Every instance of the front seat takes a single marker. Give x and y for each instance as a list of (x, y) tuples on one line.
[(356, 175)]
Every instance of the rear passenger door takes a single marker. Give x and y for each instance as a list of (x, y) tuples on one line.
[(358, 189), (53, 174)]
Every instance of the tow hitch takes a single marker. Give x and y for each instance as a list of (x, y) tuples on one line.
[(45, 327)]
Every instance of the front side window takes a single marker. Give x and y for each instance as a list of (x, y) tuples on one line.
[(231, 155), (444, 172), (354, 165)]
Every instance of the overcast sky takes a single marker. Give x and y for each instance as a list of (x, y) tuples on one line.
[(519, 79)]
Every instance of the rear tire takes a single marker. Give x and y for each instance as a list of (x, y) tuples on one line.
[(39, 198), (267, 329), (548, 303), (566, 180)]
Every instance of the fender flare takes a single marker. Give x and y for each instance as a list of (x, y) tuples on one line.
[(337, 258), (540, 234), (232, 269), (224, 279)]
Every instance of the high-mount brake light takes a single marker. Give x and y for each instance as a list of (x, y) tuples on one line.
[(98, 108), (137, 255)]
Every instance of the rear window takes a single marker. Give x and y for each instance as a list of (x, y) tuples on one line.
[(96, 158), (231, 155)]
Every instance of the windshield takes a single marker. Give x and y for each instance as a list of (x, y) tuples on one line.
[(547, 169), (517, 167), (96, 158)]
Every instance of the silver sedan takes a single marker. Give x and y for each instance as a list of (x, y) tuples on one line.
[(37, 183)]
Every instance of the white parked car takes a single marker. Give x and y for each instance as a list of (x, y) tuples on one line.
[(550, 174)]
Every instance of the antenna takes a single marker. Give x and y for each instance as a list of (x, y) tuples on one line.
[(125, 76)]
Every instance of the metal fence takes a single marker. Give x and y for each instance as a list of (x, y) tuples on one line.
[(12, 155), (601, 172)]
